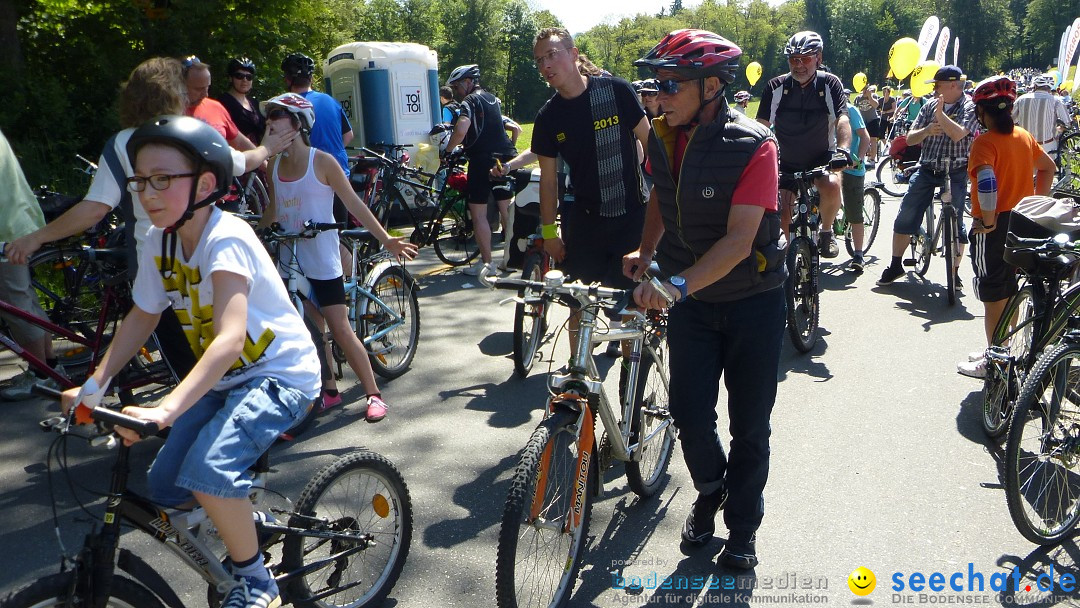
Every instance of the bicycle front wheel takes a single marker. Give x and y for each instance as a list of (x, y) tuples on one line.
[(871, 213), (651, 429), (1005, 371), (391, 330), (803, 301), (1042, 454), (55, 590), (541, 541), (893, 177), (455, 242), (530, 318), (360, 515), (922, 244)]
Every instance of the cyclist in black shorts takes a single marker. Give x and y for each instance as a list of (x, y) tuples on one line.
[(479, 127)]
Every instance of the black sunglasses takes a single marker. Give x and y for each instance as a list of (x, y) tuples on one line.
[(243, 75), (671, 87), (649, 93)]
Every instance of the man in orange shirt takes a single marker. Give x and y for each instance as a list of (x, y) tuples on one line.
[(210, 111)]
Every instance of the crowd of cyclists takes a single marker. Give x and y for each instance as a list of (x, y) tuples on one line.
[(664, 170)]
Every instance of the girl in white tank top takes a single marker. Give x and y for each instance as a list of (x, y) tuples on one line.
[(302, 187)]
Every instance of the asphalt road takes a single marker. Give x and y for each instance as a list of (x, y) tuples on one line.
[(878, 461)]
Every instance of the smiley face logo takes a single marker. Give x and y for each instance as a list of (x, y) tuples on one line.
[(861, 581)]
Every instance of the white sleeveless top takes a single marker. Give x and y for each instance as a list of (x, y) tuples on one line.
[(309, 199)]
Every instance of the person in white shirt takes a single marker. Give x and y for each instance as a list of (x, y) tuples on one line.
[(1040, 111)]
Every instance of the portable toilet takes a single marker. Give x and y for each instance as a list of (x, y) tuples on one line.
[(389, 90)]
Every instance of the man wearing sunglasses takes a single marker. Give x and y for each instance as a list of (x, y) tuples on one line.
[(808, 110), (712, 226)]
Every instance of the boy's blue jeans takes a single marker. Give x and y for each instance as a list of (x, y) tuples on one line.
[(212, 445)]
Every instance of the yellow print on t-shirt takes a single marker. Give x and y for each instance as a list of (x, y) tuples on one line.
[(182, 287), (604, 123)]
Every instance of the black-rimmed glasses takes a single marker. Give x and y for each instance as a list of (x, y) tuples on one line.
[(158, 182)]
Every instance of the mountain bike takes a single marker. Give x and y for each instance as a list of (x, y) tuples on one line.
[(938, 236), (439, 215), (546, 518), (383, 309), (803, 260), (344, 542), (871, 220), (1034, 318), (531, 308)]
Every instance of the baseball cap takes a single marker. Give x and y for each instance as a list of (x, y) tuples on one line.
[(948, 73)]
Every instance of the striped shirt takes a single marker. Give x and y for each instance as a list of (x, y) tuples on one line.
[(1038, 113), (941, 151)]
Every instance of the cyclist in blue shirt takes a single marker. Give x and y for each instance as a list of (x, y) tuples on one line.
[(852, 183)]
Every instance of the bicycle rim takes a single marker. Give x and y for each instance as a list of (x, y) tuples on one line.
[(528, 321), (455, 243), (256, 198), (923, 245), (1005, 372), (871, 216), (362, 500), (803, 309), (538, 557), (652, 427), (392, 353)]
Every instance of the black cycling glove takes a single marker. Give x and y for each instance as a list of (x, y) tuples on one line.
[(841, 158)]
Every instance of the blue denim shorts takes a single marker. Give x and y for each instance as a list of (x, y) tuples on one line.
[(212, 445)]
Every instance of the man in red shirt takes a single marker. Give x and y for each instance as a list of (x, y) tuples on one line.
[(712, 225), (210, 111)]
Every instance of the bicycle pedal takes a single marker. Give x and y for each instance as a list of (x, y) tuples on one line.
[(909, 262)]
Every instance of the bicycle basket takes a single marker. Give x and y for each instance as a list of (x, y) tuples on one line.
[(1034, 220)]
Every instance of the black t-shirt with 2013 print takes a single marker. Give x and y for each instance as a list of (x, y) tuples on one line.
[(603, 117)]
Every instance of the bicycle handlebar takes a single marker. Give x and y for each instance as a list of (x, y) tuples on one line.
[(554, 285), (311, 230), (808, 175), (144, 428)]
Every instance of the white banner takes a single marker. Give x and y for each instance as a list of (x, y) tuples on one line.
[(1070, 49), (1061, 46), (928, 35), (956, 51), (942, 46)]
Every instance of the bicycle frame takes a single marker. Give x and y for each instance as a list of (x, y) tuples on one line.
[(357, 289)]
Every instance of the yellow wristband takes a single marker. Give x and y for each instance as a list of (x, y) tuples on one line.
[(549, 231)]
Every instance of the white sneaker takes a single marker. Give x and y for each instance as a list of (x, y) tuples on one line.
[(21, 385), (972, 369), (975, 355), (474, 269)]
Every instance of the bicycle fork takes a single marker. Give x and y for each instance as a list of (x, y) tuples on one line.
[(585, 438)]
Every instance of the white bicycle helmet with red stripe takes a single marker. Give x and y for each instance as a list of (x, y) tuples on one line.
[(299, 107)]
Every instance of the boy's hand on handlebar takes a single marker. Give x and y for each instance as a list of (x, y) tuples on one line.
[(401, 248), (154, 414)]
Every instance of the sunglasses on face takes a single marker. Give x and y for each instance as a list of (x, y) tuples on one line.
[(243, 76), (800, 59), (158, 182), (649, 94), (671, 87)]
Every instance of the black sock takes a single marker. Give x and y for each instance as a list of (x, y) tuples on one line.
[(247, 562), (332, 392), (52, 361), (896, 263)]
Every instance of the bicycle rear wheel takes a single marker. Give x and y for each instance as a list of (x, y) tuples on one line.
[(361, 514), (530, 318), (922, 244), (894, 179), (1042, 454), (455, 242), (1005, 371), (256, 199), (651, 428), (803, 300), (540, 547), (391, 332)]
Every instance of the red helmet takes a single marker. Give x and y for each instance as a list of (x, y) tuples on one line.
[(694, 53), (1000, 88)]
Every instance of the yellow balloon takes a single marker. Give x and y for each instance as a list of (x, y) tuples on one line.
[(1067, 85), (859, 80), (904, 56), (923, 72), (753, 72)]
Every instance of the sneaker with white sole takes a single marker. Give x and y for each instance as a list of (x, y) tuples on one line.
[(475, 269), (21, 387), (251, 592), (972, 369)]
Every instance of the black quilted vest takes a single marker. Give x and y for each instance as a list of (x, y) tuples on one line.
[(695, 211)]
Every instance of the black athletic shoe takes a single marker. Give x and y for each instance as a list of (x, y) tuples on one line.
[(701, 522), (857, 263), (890, 275), (739, 552)]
